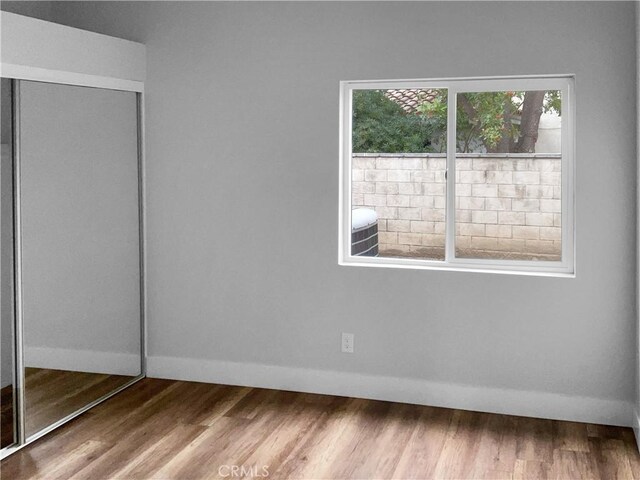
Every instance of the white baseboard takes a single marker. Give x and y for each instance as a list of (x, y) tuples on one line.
[(111, 363), (405, 390)]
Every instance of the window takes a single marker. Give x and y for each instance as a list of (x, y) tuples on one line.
[(461, 174)]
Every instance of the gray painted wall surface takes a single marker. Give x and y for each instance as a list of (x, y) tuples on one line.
[(36, 9), (79, 192), (247, 92)]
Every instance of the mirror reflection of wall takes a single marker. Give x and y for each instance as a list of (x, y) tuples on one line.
[(80, 246), (6, 269)]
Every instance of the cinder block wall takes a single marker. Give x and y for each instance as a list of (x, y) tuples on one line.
[(507, 205)]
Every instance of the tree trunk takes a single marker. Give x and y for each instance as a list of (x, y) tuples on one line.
[(505, 145), (464, 102), (529, 122)]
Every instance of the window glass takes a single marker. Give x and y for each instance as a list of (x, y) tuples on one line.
[(399, 146), (508, 175)]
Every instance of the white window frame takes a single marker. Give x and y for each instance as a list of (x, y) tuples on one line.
[(564, 83)]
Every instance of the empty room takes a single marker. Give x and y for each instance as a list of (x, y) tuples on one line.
[(312, 240)]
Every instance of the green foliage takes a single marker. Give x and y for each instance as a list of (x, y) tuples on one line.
[(380, 125), (487, 119), (552, 102)]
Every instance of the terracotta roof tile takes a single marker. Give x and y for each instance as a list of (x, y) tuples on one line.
[(409, 99)]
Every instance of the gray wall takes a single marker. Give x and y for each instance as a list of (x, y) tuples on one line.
[(36, 9), (248, 93)]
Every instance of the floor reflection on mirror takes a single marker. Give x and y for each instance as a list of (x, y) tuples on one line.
[(53, 394), (7, 415)]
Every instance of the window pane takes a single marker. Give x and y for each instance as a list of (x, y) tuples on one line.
[(508, 175), (399, 142)]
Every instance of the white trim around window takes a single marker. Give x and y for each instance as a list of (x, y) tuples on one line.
[(563, 268)]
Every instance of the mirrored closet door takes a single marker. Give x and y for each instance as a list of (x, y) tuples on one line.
[(78, 310)]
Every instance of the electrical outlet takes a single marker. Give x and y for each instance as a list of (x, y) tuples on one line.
[(347, 343)]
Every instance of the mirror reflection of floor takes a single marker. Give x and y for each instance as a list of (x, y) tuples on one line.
[(6, 416), (51, 395)]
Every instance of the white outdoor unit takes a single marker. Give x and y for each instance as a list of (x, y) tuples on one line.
[(364, 233)]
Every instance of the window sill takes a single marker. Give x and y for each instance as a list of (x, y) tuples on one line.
[(458, 266)]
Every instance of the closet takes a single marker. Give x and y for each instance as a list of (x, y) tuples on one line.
[(72, 217)]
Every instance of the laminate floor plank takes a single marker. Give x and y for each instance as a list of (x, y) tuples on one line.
[(570, 436), (165, 430), (152, 457), (571, 464), (357, 448), (531, 470), (458, 456), (216, 447), (319, 417), (227, 400), (322, 449), (376, 458), (497, 448), (534, 439), (610, 457), (65, 466), (631, 449), (421, 454)]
